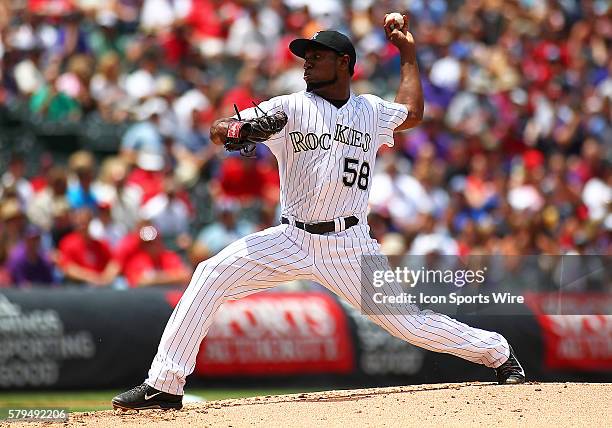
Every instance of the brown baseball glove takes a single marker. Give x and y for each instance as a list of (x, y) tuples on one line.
[(243, 135)]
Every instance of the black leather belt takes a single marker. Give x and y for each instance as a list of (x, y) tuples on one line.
[(323, 227)]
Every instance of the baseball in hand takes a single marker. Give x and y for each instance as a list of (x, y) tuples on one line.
[(398, 21)]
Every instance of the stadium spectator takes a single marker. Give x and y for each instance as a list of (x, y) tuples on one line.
[(107, 92), (27, 73), (72, 36), (194, 99), (50, 102), (432, 238), (152, 264), (242, 94), (169, 211), (83, 257), (40, 180), (148, 174), (13, 226), (75, 81), (61, 224), (397, 194), (80, 194), (103, 226), (28, 264), (129, 244), (111, 188), (245, 181), (15, 177), (144, 135), (140, 83), (40, 209), (214, 237)]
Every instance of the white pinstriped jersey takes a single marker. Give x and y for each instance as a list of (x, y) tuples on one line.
[(326, 154), (321, 155)]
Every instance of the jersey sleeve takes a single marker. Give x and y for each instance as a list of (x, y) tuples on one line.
[(390, 116), (270, 106)]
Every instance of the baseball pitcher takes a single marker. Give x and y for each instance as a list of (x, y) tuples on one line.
[(325, 140)]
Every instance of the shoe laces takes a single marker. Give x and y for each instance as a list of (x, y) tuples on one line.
[(509, 367), (141, 388)]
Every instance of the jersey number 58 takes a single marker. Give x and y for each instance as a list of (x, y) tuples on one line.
[(354, 174)]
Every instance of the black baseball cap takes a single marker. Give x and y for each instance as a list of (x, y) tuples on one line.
[(329, 39)]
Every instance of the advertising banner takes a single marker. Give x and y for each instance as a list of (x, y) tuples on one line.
[(78, 338), (277, 334), (91, 338), (576, 330)]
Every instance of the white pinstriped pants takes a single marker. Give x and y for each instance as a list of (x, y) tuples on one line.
[(279, 254)]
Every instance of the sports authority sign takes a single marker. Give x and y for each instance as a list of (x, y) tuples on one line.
[(65, 337), (277, 333), (34, 344)]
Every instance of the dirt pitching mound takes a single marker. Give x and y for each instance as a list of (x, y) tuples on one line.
[(464, 404)]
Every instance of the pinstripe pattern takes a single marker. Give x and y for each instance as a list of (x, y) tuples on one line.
[(312, 189), (339, 264), (244, 266)]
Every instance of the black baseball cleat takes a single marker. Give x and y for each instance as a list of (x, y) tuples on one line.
[(146, 397), (511, 372)]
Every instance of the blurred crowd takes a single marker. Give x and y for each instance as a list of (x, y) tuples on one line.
[(513, 156)]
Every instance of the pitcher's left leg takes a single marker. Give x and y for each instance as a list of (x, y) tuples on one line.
[(338, 262)]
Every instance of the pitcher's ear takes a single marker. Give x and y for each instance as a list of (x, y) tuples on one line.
[(345, 60)]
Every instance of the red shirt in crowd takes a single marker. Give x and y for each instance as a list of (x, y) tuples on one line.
[(245, 179), (90, 254), (210, 18), (51, 7), (150, 182), (175, 46), (141, 262), (126, 248), (242, 96)]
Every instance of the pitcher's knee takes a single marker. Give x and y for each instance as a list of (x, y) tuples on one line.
[(221, 273), (207, 276)]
